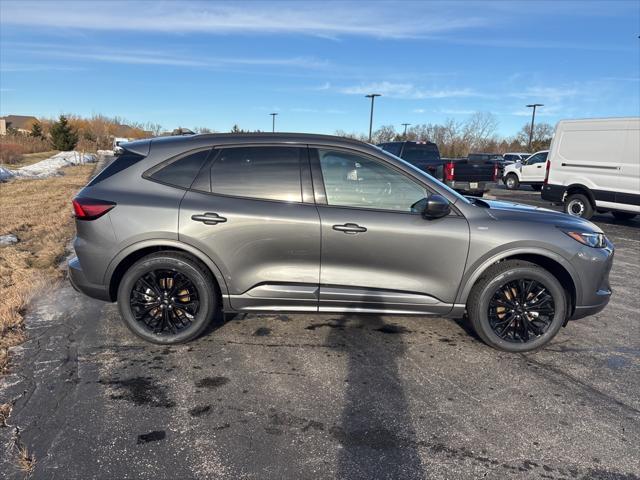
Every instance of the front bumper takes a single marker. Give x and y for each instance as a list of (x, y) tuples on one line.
[(594, 266), (80, 283)]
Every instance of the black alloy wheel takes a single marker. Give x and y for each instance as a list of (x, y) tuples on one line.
[(164, 301), (521, 310)]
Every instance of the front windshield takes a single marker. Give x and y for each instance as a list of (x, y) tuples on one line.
[(433, 179)]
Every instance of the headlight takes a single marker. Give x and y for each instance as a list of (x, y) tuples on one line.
[(595, 240)]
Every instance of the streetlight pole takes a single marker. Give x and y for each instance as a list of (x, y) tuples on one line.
[(372, 96), (273, 122), (533, 118), (405, 125)]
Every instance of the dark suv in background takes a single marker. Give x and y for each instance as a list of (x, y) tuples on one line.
[(178, 228)]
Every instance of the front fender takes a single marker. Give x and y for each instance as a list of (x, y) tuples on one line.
[(475, 270)]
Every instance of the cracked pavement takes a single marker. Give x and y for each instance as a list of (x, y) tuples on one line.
[(329, 396)]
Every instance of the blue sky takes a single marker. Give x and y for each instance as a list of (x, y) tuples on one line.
[(214, 64)]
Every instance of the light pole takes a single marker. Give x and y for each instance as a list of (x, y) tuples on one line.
[(405, 125), (372, 96), (533, 118), (273, 122)]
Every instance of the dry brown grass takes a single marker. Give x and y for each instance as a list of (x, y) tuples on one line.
[(39, 212)]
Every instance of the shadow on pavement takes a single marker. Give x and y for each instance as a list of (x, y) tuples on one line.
[(375, 432)]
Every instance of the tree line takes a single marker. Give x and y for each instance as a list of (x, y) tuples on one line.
[(477, 134)]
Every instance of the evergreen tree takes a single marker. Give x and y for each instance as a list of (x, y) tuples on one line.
[(36, 130), (63, 136)]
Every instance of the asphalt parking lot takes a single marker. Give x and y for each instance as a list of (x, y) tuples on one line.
[(310, 396)]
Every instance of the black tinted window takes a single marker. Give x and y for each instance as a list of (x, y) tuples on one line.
[(120, 163), (392, 148), (271, 173), (423, 154), (182, 171)]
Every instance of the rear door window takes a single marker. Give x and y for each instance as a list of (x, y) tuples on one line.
[(269, 173)]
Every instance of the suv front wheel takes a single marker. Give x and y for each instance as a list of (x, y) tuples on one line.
[(167, 298), (517, 306)]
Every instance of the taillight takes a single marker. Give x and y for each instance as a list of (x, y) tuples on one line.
[(495, 172), (449, 171), (90, 208), (546, 173)]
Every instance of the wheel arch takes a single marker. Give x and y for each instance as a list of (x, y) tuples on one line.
[(131, 254), (580, 188), (550, 261)]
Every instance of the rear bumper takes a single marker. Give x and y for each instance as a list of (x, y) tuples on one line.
[(481, 186), (80, 283), (553, 193)]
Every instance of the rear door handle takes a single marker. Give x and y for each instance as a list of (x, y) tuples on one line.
[(209, 218), (350, 228)]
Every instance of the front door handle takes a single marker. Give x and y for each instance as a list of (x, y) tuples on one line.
[(349, 228), (209, 218)]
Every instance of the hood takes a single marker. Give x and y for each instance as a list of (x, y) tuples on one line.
[(501, 210)]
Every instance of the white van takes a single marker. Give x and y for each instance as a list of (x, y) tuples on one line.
[(594, 165)]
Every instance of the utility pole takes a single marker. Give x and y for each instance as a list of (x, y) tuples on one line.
[(533, 118), (273, 122), (405, 125), (372, 96)]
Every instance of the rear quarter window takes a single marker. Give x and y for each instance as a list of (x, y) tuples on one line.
[(121, 163), (181, 171)]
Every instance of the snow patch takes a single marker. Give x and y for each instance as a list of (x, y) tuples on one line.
[(48, 167)]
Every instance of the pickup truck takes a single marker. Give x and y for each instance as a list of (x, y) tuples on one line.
[(472, 175)]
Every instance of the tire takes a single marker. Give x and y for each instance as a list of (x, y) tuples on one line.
[(498, 277), (537, 188), (511, 181), (578, 205), (623, 215), (196, 308)]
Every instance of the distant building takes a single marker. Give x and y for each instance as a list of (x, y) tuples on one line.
[(20, 123)]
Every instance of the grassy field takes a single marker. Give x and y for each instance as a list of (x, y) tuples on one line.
[(39, 212)]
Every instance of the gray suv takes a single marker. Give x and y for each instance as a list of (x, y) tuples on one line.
[(178, 229)]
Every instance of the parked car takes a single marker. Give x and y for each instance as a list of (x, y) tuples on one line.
[(179, 228), (473, 175), (526, 172), (594, 165), (512, 157)]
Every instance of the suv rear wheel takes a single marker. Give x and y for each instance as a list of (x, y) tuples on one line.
[(167, 298), (511, 181), (517, 306)]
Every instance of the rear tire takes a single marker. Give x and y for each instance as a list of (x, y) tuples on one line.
[(531, 326), (623, 215), (511, 181), (578, 205), (167, 298), (537, 188)]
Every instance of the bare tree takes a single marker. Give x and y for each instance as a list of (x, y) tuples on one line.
[(541, 138)]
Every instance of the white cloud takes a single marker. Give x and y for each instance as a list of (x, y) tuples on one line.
[(152, 57), (375, 19), (405, 91), (418, 110)]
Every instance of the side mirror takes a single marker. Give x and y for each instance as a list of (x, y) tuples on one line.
[(432, 207)]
